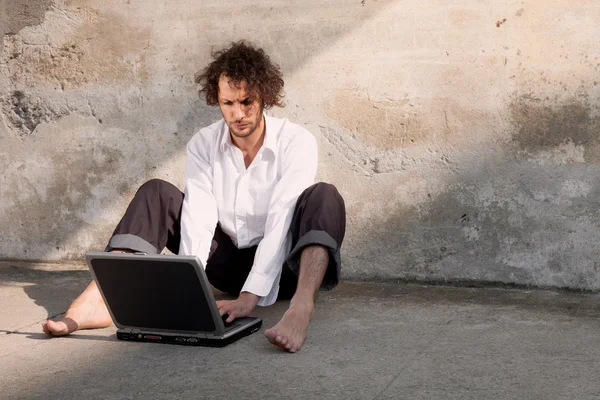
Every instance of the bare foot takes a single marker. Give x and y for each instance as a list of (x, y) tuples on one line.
[(88, 311), (290, 333), (84, 317)]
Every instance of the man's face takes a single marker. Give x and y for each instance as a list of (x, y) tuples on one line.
[(241, 110)]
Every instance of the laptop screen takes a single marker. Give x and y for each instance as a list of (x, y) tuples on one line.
[(154, 295)]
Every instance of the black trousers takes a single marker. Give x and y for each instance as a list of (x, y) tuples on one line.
[(153, 221)]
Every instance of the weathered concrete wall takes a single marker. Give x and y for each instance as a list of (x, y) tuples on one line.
[(465, 136)]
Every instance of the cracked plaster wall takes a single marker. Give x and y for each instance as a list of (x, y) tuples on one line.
[(465, 137)]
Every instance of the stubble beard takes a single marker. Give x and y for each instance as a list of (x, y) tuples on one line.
[(244, 135), (252, 127)]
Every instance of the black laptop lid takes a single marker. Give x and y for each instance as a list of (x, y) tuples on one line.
[(165, 295)]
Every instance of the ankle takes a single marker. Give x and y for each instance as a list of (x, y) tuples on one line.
[(305, 303)]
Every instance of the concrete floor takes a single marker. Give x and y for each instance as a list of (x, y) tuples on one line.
[(368, 341)]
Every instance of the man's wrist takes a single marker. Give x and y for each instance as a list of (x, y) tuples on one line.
[(249, 298)]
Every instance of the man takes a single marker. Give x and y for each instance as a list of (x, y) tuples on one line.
[(250, 210)]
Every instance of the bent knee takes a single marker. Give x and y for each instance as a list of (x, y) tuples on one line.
[(157, 187), (326, 192)]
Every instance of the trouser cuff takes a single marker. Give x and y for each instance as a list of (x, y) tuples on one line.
[(315, 237), (130, 242)]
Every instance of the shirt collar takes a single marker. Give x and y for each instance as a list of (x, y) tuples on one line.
[(225, 142), (271, 130)]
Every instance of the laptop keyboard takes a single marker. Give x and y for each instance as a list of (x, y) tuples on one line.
[(231, 325)]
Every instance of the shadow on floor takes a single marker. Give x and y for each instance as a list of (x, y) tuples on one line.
[(76, 336), (52, 290)]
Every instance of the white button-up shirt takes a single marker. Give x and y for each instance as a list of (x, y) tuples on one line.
[(253, 205)]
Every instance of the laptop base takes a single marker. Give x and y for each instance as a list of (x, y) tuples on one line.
[(188, 340)]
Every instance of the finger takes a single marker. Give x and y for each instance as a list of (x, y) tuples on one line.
[(232, 316), (224, 303), (224, 308)]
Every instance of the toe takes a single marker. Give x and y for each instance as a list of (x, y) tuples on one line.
[(51, 327), (271, 334), (56, 328)]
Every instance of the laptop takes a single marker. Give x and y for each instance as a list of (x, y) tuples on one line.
[(163, 299)]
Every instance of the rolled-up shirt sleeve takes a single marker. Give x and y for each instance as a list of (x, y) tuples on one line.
[(199, 214), (298, 172)]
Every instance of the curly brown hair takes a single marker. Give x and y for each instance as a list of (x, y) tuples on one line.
[(242, 62)]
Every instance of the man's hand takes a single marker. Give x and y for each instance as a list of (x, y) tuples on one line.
[(240, 307)]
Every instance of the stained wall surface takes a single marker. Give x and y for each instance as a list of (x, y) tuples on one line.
[(464, 135)]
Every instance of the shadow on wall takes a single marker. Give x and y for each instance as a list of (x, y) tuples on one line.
[(18, 14), (525, 214)]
